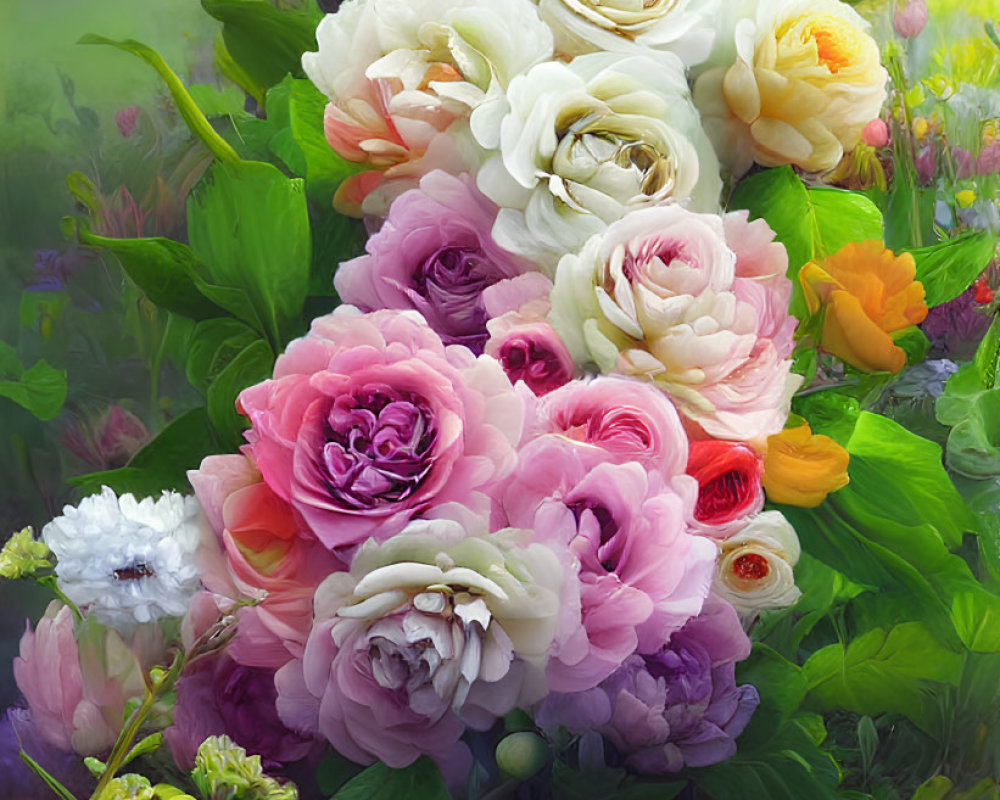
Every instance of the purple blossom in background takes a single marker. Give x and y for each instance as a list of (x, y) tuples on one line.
[(679, 707), (107, 442), (225, 697), (957, 325), (925, 163), (989, 159), (53, 268), (17, 781), (965, 163)]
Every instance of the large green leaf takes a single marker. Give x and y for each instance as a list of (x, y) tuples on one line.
[(608, 784), (167, 271), (251, 366), (249, 224), (973, 413), (163, 463), (881, 670), (265, 42), (380, 782), (811, 223), (948, 268), (40, 389), (211, 346)]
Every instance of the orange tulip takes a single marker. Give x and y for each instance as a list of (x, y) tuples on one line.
[(866, 293), (801, 468)]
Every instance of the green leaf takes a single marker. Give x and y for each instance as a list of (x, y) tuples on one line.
[(212, 345), (251, 366), (379, 782), (40, 389), (948, 268), (215, 102), (881, 670), (249, 224), (973, 412), (608, 784), (163, 462), (987, 359), (52, 783), (167, 271), (913, 342), (811, 223), (144, 747), (325, 169), (266, 43), (189, 111), (333, 771)]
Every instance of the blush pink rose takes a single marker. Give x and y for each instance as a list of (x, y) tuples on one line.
[(264, 549), (641, 574), (370, 420)]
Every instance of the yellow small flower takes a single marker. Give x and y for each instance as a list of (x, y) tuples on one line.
[(22, 555), (920, 127), (965, 198), (801, 468)]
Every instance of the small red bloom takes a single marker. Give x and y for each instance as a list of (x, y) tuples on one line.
[(729, 481), (984, 294)]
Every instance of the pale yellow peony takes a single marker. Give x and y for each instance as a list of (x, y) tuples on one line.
[(805, 82)]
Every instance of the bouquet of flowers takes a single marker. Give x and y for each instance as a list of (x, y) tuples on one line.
[(566, 426)]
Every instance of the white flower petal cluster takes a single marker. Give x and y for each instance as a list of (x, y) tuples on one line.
[(127, 561), (684, 27), (755, 566), (584, 143)]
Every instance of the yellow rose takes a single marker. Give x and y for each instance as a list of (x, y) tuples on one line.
[(806, 80), (865, 292), (801, 468)]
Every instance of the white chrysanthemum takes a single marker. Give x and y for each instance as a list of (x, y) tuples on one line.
[(755, 566), (127, 561)]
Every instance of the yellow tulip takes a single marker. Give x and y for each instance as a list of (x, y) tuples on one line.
[(801, 468), (865, 292)]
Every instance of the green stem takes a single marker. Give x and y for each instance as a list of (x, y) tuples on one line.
[(904, 147)]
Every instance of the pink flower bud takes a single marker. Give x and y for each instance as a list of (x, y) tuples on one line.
[(876, 133), (126, 119), (910, 18)]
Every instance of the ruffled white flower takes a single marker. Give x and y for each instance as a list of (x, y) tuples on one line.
[(755, 566), (684, 27), (127, 561), (586, 142)]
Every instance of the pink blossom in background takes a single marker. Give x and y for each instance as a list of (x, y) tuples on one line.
[(107, 441), (910, 18), (126, 119), (435, 255), (965, 162), (875, 134), (926, 163), (370, 420), (642, 575), (988, 161), (677, 707), (264, 549)]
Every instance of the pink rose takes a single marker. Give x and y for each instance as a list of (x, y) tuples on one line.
[(641, 574), (370, 420), (435, 255)]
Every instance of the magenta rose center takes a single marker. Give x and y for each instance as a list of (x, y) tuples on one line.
[(378, 447)]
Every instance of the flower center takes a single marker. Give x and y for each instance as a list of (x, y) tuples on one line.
[(720, 495), (751, 567), (378, 447), (447, 288), (135, 572), (835, 42)]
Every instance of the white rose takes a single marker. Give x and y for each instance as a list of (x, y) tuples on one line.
[(755, 566), (583, 143), (684, 27)]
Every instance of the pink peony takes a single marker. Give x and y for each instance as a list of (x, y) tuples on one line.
[(694, 303), (264, 549), (629, 420), (434, 254), (78, 679), (439, 627), (370, 420), (641, 574)]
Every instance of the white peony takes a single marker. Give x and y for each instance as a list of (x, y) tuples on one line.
[(755, 566), (126, 561), (586, 142), (684, 27)]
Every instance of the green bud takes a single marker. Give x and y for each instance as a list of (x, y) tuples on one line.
[(22, 556), (128, 787), (224, 771), (520, 755)]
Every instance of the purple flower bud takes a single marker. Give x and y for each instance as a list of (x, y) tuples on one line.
[(126, 119)]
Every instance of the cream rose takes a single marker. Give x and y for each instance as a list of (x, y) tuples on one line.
[(755, 566), (684, 27), (805, 82), (583, 143)]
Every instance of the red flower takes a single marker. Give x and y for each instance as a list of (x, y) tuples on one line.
[(729, 484)]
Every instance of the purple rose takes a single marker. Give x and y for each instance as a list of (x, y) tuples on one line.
[(223, 697), (955, 327), (678, 707), (434, 254)]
